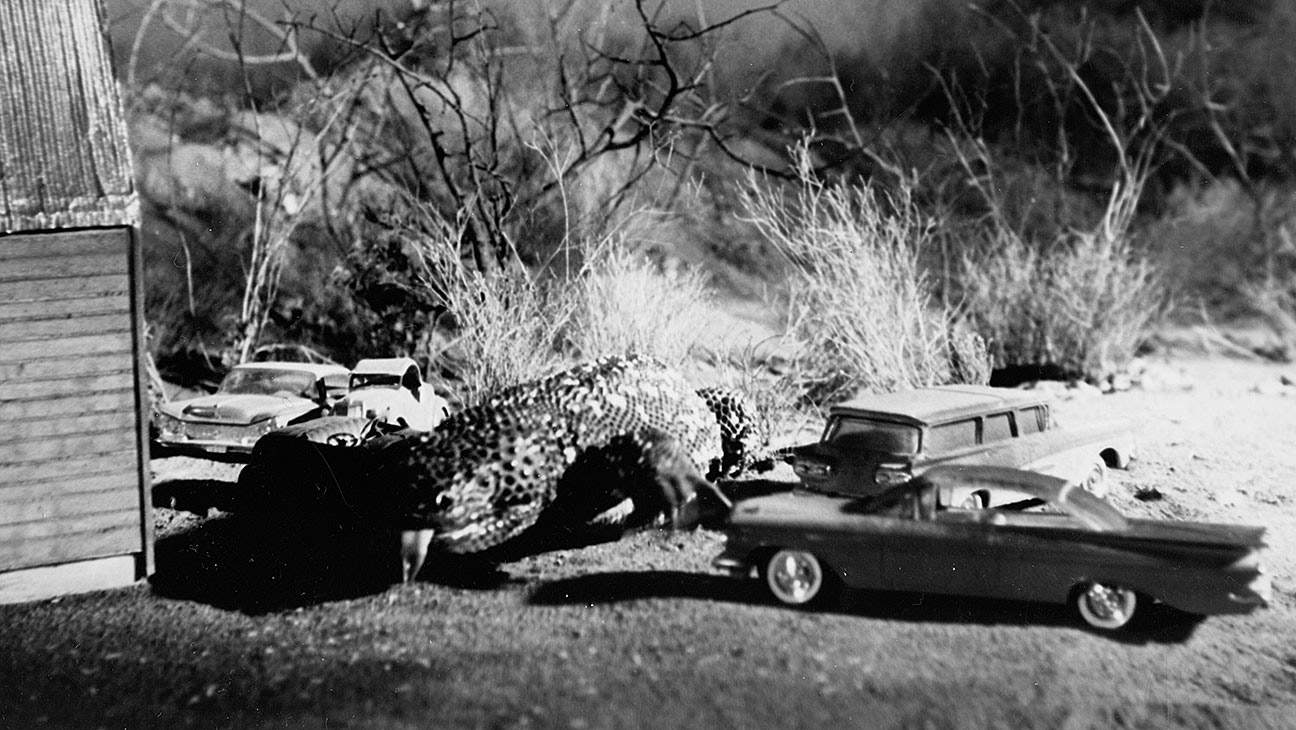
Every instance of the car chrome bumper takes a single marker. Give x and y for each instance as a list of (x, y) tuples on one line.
[(205, 448), (731, 565)]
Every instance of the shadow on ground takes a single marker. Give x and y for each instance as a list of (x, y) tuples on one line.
[(260, 565), (195, 495), (267, 563), (1155, 624)]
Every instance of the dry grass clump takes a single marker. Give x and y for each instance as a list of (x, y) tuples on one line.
[(624, 303), (519, 324), (1079, 304), (508, 329), (858, 299)]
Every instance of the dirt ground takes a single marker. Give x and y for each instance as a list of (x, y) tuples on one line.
[(249, 625)]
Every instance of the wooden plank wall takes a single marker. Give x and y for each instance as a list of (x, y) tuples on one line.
[(70, 469), (64, 161)]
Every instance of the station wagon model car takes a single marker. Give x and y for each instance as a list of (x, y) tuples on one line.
[(391, 390), (874, 442), (1054, 543), (252, 400)]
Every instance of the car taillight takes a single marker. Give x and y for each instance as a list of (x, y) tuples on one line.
[(890, 475), (808, 469)]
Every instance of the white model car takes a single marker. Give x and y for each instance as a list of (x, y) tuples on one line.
[(392, 390)]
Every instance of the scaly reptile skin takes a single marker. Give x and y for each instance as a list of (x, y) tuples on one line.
[(573, 445)]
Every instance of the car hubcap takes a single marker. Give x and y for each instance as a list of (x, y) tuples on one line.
[(1107, 607), (794, 577)]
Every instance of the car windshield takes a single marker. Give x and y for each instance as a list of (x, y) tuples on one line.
[(266, 381), (372, 380), (1092, 511), (873, 435)]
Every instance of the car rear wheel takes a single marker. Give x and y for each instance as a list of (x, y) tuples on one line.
[(798, 578), (1095, 480), (1106, 607)]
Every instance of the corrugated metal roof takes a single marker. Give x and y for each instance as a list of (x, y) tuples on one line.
[(933, 405), (64, 162)]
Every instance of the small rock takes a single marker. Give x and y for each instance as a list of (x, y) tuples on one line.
[(1268, 388), (1148, 494), (1287, 378), (1051, 387), (1121, 382)]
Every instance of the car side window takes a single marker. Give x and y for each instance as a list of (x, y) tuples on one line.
[(997, 428), (1030, 420), (952, 436)]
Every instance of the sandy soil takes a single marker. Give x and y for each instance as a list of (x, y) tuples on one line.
[(272, 625)]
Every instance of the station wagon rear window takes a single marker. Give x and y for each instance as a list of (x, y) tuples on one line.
[(951, 436), (892, 438), (997, 428), (1030, 420)]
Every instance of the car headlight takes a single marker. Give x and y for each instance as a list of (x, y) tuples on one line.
[(811, 469), (261, 428), (169, 426), (890, 475)]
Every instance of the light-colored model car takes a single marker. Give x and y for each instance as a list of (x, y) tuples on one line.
[(392, 390), (875, 442), (253, 399)]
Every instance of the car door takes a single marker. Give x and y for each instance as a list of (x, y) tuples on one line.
[(937, 549), (846, 534)]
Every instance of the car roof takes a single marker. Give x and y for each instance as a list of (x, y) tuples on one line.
[(381, 365), (319, 370), (937, 404)]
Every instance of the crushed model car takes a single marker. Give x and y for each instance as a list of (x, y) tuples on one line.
[(874, 442), (392, 390), (253, 399), (1054, 543)]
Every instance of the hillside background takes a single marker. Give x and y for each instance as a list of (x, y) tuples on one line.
[(810, 197)]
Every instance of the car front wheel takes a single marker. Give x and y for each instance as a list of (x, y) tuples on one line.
[(798, 578), (1106, 607)]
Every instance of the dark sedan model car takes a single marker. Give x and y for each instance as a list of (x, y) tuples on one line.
[(1053, 543)]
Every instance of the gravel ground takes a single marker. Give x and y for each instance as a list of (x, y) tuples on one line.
[(272, 625)]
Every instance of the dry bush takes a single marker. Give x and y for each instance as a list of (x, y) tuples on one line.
[(507, 332), (858, 300), (486, 331), (625, 303), (508, 329), (1074, 304), (1077, 306), (477, 332)]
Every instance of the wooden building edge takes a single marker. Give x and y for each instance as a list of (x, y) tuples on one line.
[(75, 498)]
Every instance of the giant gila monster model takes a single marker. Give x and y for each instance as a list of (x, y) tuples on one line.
[(614, 444)]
